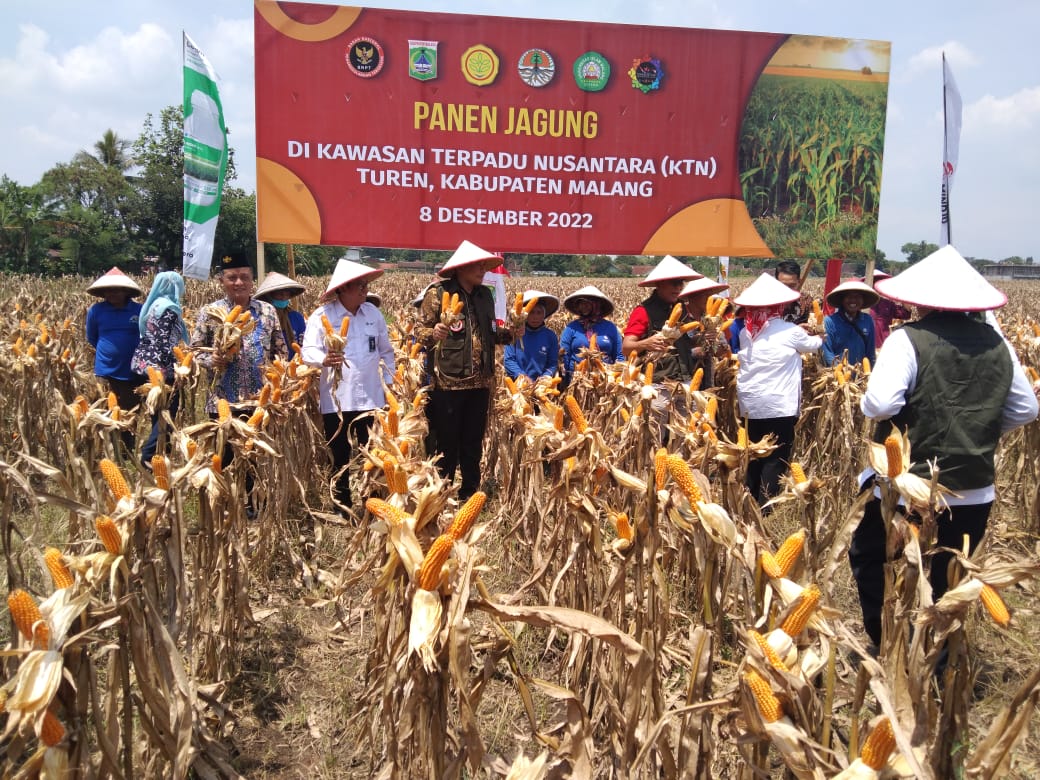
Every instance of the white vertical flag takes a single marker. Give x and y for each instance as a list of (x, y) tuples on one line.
[(205, 160), (723, 274), (951, 146), (496, 280)]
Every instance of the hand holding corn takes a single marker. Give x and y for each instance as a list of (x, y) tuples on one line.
[(519, 312), (233, 326)]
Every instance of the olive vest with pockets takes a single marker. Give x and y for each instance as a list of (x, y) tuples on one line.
[(454, 356), (677, 362)]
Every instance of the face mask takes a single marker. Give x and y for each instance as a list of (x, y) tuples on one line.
[(280, 304)]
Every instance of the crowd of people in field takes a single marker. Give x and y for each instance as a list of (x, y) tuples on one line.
[(947, 379)]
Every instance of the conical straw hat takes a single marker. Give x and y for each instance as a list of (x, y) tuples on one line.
[(766, 291), (943, 280), (589, 291), (669, 268), (704, 284), (467, 254), (275, 282), (114, 280), (348, 271)]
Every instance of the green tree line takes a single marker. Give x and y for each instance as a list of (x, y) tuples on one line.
[(122, 202)]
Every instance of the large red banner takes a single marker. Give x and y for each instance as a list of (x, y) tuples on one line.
[(417, 130)]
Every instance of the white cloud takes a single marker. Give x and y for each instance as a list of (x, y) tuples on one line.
[(929, 60), (1020, 111)]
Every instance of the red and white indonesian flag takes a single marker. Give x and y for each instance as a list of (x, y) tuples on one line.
[(951, 146), (496, 280)]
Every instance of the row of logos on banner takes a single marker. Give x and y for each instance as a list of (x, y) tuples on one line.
[(480, 65)]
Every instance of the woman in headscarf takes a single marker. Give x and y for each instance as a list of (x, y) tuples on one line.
[(592, 308), (769, 381), (161, 328), (278, 289)]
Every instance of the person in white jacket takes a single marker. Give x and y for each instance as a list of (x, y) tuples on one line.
[(352, 381), (769, 381)]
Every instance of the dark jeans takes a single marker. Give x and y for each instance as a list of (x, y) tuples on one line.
[(339, 439), (151, 446), (127, 397), (867, 554), (763, 474), (458, 419)]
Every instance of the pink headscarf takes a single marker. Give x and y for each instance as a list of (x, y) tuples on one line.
[(756, 317)]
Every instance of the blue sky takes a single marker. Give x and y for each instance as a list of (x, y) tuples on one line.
[(70, 70)]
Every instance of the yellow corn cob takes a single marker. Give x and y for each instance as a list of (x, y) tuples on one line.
[(81, 404), (392, 423), (790, 550), (683, 476), (767, 650), (1036, 328), (186, 360), (453, 302), (510, 385), (466, 515), (446, 301), (155, 376), (416, 348), (624, 527), (31, 351), (161, 472), (530, 305), (114, 477), (276, 395), (724, 327), (60, 573), (675, 315), (894, 454), (327, 325), (233, 314), (217, 464), (1034, 377), (768, 704), (404, 448), (344, 327), (625, 416), (711, 408), (577, 417), (711, 304), (709, 431), (223, 410), (648, 377), (695, 382), (592, 343), (686, 327), (192, 447), (385, 511), (638, 411), (742, 440), (660, 467), (66, 353), (798, 474), (770, 566), (113, 402), (178, 352), (866, 366), (51, 730), (25, 614), (995, 605), (429, 574), (582, 366), (839, 375), (518, 304), (817, 311), (109, 534), (257, 417), (879, 745), (392, 402), (796, 622), (265, 394)]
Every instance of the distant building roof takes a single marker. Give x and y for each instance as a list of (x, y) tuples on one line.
[(1011, 271)]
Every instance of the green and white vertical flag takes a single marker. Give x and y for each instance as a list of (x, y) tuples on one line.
[(205, 160)]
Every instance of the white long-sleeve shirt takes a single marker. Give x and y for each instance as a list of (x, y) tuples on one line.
[(368, 345), (769, 382), (895, 376)]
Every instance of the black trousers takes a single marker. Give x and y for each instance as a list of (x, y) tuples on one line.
[(867, 554), (127, 398), (339, 438), (458, 420), (763, 474)]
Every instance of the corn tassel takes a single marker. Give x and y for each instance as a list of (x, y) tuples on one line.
[(790, 550), (683, 477), (577, 417), (60, 573), (109, 534), (796, 622), (879, 745), (51, 730), (768, 704), (995, 605), (466, 515), (429, 574), (114, 477), (26, 614)]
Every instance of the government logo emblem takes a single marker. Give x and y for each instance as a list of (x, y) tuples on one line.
[(365, 57), (591, 71), (480, 65), (422, 60), (646, 74), (536, 67)]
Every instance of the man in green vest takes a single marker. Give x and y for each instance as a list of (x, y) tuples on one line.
[(952, 383)]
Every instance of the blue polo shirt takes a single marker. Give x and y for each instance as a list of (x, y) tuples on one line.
[(114, 335)]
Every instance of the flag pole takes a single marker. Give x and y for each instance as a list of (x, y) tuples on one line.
[(946, 156)]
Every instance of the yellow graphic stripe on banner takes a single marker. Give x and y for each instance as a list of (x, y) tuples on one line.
[(721, 226), (286, 212), (341, 19)]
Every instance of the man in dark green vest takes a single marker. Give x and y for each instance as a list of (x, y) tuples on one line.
[(952, 383)]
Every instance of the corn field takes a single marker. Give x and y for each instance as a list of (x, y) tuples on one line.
[(607, 607)]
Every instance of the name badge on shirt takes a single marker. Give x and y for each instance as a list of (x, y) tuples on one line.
[(371, 343)]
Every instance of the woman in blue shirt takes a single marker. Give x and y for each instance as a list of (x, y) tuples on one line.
[(592, 308), (537, 353), (850, 328)]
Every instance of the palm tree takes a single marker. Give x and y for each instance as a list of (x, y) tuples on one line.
[(110, 151)]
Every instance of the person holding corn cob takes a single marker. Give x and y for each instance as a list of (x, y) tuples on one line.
[(952, 386), (769, 380), (347, 338), (591, 327), (458, 328), (704, 306), (849, 329), (235, 336), (279, 290), (536, 353)]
